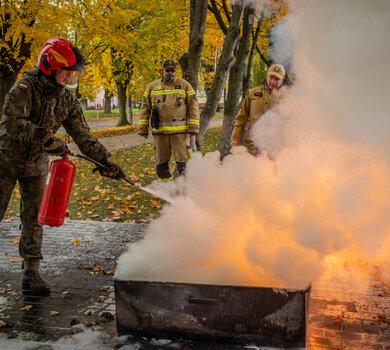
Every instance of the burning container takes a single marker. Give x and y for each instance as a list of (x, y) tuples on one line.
[(230, 314)]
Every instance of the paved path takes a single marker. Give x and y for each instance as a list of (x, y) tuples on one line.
[(130, 140), (80, 276)]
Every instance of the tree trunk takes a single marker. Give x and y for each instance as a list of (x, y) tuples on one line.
[(122, 104), (236, 77), (255, 38), (190, 61), (130, 110), (225, 62), (7, 79), (107, 102)]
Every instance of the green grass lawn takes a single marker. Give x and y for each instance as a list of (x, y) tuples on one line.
[(96, 198), (96, 115)]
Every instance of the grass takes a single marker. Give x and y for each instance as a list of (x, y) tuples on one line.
[(96, 198), (99, 115)]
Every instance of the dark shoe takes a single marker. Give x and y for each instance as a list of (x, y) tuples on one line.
[(33, 284), (180, 169)]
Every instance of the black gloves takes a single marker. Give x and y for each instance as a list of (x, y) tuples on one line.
[(111, 170), (53, 146)]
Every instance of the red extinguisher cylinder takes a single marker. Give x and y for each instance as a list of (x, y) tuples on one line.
[(57, 192)]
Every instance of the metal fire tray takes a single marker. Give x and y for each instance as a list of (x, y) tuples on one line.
[(230, 314)]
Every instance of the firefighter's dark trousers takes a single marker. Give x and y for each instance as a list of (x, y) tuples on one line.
[(164, 147), (31, 192)]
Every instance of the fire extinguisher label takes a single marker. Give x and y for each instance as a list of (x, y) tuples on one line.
[(48, 179)]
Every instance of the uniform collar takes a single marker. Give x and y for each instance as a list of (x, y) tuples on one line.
[(266, 88), (49, 87), (169, 83)]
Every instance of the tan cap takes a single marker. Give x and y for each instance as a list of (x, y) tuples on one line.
[(277, 70)]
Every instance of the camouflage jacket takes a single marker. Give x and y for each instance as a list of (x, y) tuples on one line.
[(176, 104), (35, 103)]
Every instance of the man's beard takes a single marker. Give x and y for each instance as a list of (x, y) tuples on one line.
[(168, 79)]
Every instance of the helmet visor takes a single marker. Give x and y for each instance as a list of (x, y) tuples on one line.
[(73, 79)]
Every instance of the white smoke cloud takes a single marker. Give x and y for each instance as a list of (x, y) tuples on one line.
[(324, 198)]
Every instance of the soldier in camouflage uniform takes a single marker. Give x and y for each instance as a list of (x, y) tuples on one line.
[(35, 107)]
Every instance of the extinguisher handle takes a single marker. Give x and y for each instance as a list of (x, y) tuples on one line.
[(100, 165)]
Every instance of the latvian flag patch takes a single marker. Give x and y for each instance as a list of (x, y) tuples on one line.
[(22, 86)]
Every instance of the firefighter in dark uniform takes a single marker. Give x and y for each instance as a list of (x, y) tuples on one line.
[(35, 107), (258, 101), (169, 104)]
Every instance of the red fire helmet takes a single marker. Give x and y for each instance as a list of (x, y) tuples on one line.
[(59, 53)]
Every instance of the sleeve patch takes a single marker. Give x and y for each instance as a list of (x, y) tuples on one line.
[(22, 86), (259, 94)]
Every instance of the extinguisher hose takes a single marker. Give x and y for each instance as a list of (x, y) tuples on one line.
[(131, 182)]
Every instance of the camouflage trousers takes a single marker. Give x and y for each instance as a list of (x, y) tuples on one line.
[(31, 192)]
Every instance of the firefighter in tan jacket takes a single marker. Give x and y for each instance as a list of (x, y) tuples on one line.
[(169, 104), (258, 101)]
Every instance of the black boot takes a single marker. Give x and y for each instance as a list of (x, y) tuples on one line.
[(180, 169), (33, 284), (163, 172)]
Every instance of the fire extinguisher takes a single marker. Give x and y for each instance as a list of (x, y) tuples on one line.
[(57, 191)]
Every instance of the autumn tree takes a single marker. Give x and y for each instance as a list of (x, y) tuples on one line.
[(190, 61), (236, 76), (225, 62), (240, 69), (23, 25)]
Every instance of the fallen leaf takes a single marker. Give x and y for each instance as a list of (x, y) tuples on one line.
[(15, 260), (80, 266), (101, 298), (107, 258), (76, 241), (111, 206), (53, 313), (16, 240), (27, 307), (6, 290), (2, 323)]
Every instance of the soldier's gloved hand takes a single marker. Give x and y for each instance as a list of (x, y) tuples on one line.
[(54, 146), (111, 170)]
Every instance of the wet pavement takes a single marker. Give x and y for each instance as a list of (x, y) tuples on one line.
[(79, 261), (80, 258)]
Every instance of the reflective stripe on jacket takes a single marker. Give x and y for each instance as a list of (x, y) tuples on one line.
[(176, 105)]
